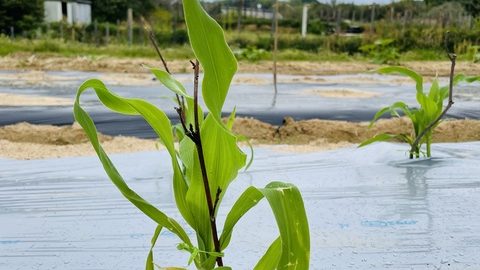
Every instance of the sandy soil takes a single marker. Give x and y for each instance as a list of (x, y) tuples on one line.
[(26, 141), (317, 131), (340, 93), (30, 100), (22, 61)]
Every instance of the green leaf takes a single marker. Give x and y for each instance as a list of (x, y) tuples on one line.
[(249, 198), (149, 264), (190, 113), (403, 107), (231, 119), (471, 79), (243, 138), (170, 82), (287, 205), (223, 160), (240, 138), (211, 49), (432, 110), (160, 123), (270, 259), (434, 92), (378, 138), (459, 78), (406, 72), (393, 111), (223, 157), (379, 114)]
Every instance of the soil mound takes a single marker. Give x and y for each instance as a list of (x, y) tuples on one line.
[(328, 131), (27, 61), (46, 134), (27, 141)]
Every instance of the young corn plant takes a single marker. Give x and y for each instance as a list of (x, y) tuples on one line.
[(206, 160), (426, 117)]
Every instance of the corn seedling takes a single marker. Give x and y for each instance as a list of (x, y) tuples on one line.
[(382, 51), (206, 160), (427, 116)]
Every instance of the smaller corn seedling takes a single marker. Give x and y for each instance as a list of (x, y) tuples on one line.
[(426, 117), (206, 160)]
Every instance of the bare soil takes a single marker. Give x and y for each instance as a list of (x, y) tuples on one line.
[(25, 61), (30, 100), (27, 141), (317, 131)]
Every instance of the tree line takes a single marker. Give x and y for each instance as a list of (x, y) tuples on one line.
[(27, 15)]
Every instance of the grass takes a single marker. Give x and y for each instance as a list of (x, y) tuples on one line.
[(57, 47)]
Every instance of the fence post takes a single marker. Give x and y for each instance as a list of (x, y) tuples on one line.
[(73, 33), (118, 31), (107, 33), (95, 31), (130, 26), (405, 17), (12, 32), (304, 20), (274, 54), (392, 13), (372, 19), (338, 19), (239, 15)]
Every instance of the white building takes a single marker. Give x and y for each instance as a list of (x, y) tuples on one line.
[(74, 11)]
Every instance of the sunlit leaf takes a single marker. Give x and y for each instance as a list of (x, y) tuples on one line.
[(231, 119), (289, 211), (160, 123), (392, 109), (149, 264), (406, 72), (249, 198), (211, 49), (378, 138), (242, 138), (170, 82), (292, 249), (270, 259)]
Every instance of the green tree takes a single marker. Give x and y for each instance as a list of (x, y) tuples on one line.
[(113, 10), (23, 15), (471, 6)]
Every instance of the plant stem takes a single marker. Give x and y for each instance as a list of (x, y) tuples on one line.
[(198, 142), (194, 135), (415, 147), (151, 36), (275, 49)]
